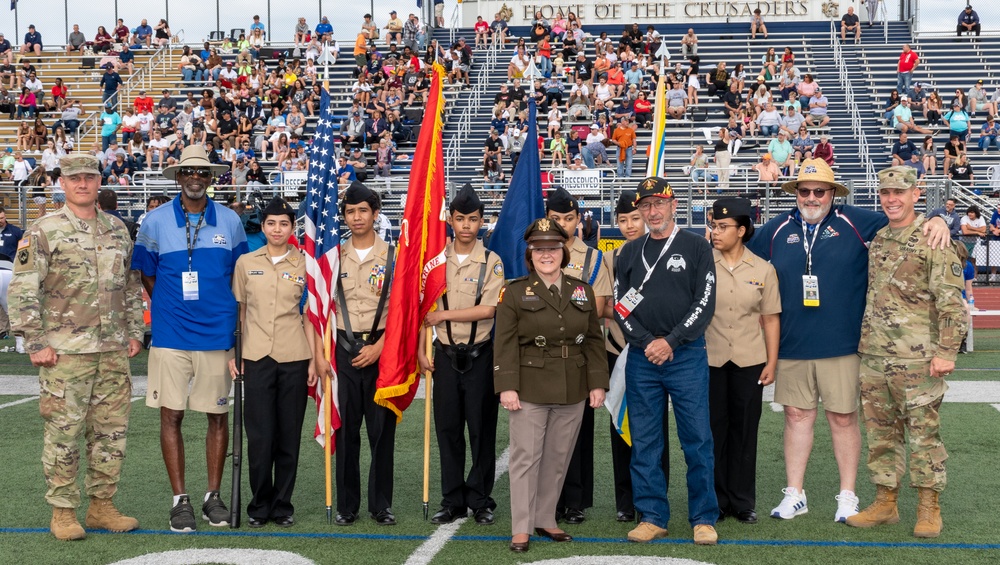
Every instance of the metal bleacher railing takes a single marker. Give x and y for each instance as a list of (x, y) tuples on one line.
[(452, 152), (850, 103)]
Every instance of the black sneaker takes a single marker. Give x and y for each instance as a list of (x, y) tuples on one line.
[(182, 516), (215, 511)]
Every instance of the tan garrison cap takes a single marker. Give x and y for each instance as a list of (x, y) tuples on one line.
[(79, 163)]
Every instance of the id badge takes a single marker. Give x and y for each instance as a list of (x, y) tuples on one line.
[(628, 303), (189, 285), (810, 290)]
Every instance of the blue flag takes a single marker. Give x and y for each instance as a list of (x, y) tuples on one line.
[(523, 204)]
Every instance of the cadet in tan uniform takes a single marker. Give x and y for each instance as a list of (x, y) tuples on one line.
[(270, 285), (587, 264), (366, 264), (630, 223), (741, 358), (549, 365), (79, 309), (463, 366)]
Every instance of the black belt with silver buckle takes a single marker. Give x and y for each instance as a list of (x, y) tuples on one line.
[(352, 343)]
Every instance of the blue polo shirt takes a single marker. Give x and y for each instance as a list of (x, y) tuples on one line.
[(9, 237), (161, 251), (840, 261)]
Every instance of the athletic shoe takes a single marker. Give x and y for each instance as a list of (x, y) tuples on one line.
[(847, 506), (794, 504), (215, 511), (182, 516)]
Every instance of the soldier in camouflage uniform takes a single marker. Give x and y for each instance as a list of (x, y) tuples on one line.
[(79, 309), (913, 325)]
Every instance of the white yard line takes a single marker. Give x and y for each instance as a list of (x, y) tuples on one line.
[(997, 406), (16, 402)]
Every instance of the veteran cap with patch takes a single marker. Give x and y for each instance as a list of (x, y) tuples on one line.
[(897, 177), (654, 186), (544, 233), (77, 164)]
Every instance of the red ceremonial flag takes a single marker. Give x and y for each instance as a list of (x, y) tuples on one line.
[(419, 278)]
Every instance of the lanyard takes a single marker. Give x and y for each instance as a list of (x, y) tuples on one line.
[(187, 234), (642, 253), (809, 245)]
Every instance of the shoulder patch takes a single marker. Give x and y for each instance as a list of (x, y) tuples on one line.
[(956, 269), (24, 242), (498, 269)]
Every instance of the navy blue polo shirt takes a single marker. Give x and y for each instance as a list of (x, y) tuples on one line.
[(840, 261), (9, 237), (161, 251)]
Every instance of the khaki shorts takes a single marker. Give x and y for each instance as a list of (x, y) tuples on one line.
[(803, 383), (439, 10), (198, 380)]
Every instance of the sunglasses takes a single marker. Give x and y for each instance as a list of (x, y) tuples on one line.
[(193, 172), (817, 192)]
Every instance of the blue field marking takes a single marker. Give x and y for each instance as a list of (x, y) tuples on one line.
[(399, 537)]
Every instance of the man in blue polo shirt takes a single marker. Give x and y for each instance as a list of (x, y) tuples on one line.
[(32, 42), (186, 252), (820, 252), (144, 33)]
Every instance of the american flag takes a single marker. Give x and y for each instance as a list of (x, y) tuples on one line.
[(322, 246)]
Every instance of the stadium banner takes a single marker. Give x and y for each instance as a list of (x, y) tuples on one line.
[(581, 182), (597, 12)]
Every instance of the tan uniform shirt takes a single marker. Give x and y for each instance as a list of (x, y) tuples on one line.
[(577, 258), (742, 295), (615, 341), (463, 279), (363, 283), (272, 295)]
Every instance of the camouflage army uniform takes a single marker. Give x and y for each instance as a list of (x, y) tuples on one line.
[(914, 312), (72, 291)]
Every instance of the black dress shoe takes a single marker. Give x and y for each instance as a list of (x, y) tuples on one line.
[(283, 521), (574, 516), (747, 516), (257, 522), (484, 517), (345, 519), (447, 515), (625, 516), (384, 517), (554, 536), (519, 546)]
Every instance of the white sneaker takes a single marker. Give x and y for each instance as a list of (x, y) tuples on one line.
[(794, 504), (847, 506)]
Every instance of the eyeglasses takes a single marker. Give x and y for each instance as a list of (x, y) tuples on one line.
[(817, 192), (721, 228), (659, 204), (192, 172)]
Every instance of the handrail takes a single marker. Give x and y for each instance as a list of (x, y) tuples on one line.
[(857, 125), (464, 124), (454, 25)]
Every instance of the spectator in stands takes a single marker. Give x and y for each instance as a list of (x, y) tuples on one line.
[(624, 138), (968, 22), (102, 40), (494, 147), (594, 151), (929, 154), (769, 120), (803, 145), (395, 27), (781, 151), (76, 40), (950, 215), (902, 150), (8, 102), (126, 59), (988, 134), (891, 103), (791, 123), (732, 101), (144, 34), (111, 81), (973, 226), (737, 132), (32, 42), (324, 29), (958, 121), (300, 34), (7, 74), (789, 83), (157, 148), (824, 150), (818, 111), (6, 51), (676, 107), (908, 61), (689, 44), (579, 105), (952, 149), (693, 82), (723, 157), (24, 136), (768, 171), (718, 80), (850, 22), (35, 86), (162, 33), (697, 165), (493, 175), (961, 171), (757, 25), (769, 64), (26, 104), (498, 28), (977, 98)]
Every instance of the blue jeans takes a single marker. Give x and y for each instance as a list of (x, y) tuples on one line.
[(625, 166), (110, 95), (987, 141), (903, 81), (545, 66), (685, 379), (107, 140), (698, 175), (770, 131), (192, 75)]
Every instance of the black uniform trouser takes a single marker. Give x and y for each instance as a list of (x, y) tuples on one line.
[(621, 458), (356, 391), (578, 490), (274, 407), (734, 400), (460, 400)]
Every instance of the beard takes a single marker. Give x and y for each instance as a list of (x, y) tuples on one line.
[(194, 191), (812, 217)]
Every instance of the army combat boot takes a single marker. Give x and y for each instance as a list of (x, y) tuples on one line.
[(103, 515), (882, 511), (64, 524), (929, 521)]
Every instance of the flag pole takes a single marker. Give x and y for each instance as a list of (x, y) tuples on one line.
[(327, 425), (428, 350)]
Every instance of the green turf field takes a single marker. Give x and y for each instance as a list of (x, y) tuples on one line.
[(969, 504)]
